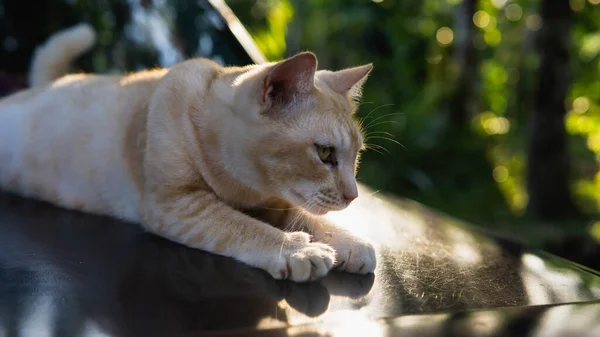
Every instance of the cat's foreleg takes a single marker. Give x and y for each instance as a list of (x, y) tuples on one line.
[(353, 254), (200, 220)]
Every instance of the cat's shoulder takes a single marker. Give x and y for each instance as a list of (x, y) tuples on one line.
[(193, 68), (189, 76)]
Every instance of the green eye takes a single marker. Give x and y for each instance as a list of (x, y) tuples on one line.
[(323, 152), (326, 154)]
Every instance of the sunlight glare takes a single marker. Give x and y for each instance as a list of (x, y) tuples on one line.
[(92, 329), (430, 323), (39, 320), (465, 254), (354, 323), (545, 281), (568, 321), (464, 251), (486, 323), (533, 262)]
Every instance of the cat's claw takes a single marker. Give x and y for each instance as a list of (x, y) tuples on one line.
[(302, 260)]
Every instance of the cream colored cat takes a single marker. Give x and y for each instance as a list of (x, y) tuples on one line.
[(224, 159)]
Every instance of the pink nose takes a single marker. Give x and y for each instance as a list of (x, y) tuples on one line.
[(350, 197)]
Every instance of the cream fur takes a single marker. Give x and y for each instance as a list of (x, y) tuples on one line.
[(52, 59), (219, 159)]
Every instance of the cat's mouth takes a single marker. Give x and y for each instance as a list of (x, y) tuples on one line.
[(315, 205), (320, 207)]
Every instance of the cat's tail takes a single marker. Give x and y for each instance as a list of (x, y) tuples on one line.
[(52, 59)]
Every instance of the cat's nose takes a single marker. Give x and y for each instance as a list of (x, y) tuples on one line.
[(348, 188), (348, 197)]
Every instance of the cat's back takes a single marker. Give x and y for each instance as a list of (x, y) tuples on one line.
[(80, 92), (66, 142)]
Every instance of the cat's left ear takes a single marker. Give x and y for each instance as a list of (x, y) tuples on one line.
[(289, 80), (348, 81)]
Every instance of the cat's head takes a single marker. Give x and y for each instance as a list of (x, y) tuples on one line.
[(302, 140)]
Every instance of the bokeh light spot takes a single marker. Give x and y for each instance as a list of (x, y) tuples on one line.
[(499, 3), (434, 59), (584, 125), (513, 12), (581, 105), (481, 19), (590, 46), (496, 126), (577, 5), (444, 36), (595, 231), (491, 24), (533, 22), (500, 173), (492, 37), (593, 142)]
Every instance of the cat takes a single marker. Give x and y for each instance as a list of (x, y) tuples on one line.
[(237, 161)]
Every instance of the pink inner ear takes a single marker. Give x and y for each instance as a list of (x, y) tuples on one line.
[(292, 77)]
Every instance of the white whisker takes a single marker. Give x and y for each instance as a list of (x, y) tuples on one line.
[(377, 108)]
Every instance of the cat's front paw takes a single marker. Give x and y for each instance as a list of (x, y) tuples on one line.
[(354, 255), (301, 260)]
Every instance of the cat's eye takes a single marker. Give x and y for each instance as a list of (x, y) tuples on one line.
[(326, 154)]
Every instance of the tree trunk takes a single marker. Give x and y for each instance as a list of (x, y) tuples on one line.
[(465, 58), (548, 168)]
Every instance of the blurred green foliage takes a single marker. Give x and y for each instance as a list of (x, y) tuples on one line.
[(475, 171)]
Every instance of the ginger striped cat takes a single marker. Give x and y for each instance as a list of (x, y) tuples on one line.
[(237, 161)]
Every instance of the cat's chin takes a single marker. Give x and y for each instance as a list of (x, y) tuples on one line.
[(321, 212), (317, 210)]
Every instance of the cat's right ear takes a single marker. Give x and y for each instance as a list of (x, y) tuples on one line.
[(289, 80)]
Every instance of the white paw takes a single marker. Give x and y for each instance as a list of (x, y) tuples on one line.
[(353, 255), (301, 260)]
